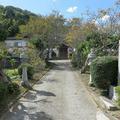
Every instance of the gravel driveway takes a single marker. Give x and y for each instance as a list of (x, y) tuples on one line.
[(60, 95)]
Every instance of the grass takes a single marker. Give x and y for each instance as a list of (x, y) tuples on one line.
[(12, 73)]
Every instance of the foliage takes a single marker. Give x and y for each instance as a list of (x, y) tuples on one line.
[(39, 45), (3, 91), (104, 71), (3, 51), (75, 60), (3, 32), (10, 19), (13, 88), (49, 29), (3, 54), (30, 70), (81, 53), (35, 57), (12, 73), (8, 89), (117, 89), (12, 62), (78, 31)]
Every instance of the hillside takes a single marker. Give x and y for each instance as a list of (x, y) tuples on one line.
[(10, 19)]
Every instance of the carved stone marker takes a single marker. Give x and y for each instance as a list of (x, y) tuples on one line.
[(91, 57), (25, 82)]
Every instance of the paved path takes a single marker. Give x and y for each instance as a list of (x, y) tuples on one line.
[(60, 95)]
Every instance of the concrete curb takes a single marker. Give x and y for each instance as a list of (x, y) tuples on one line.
[(108, 103), (101, 116)]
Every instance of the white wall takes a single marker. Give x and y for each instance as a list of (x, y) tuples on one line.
[(15, 43)]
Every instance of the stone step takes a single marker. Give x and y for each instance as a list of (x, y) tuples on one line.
[(101, 116), (108, 103)]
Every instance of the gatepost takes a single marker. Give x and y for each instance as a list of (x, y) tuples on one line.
[(113, 91)]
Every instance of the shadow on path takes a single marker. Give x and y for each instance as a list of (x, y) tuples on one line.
[(40, 116), (45, 93), (20, 112)]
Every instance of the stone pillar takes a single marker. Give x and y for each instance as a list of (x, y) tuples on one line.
[(25, 81), (115, 96), (24, 74), (112, 93), (50, 53), (90, 80)]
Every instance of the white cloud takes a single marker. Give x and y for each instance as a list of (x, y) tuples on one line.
[(106, 17), (72, 9), (54, 0)]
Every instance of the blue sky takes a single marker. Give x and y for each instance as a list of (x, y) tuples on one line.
[(69, 8)]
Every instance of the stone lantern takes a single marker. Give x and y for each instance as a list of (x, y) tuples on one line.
[(90, 58)]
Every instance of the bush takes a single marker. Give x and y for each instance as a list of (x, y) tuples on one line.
[(117, 89), (104, 71), (13, 88), (30, 70), (82, 50), (3, 91), (74, 60), (8, 89)]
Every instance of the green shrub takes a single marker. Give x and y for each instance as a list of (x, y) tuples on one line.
[(104, 71), (74, 60), (13, 88), (3, 90), (117, 89), (8, 89), (70, 55), (30, 70), (82, 51)]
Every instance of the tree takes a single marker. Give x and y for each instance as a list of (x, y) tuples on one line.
[(50, 29), (3, 53), (57, 29), (3, 33), (10, 19), (78, 31)]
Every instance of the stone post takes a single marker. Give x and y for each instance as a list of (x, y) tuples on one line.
[(115, 96), (25, 82), (90, 58)]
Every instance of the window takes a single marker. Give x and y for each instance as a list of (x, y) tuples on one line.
[(18, 44)]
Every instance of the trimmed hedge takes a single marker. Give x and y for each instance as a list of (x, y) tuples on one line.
[(104, 71), (30, 70)]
